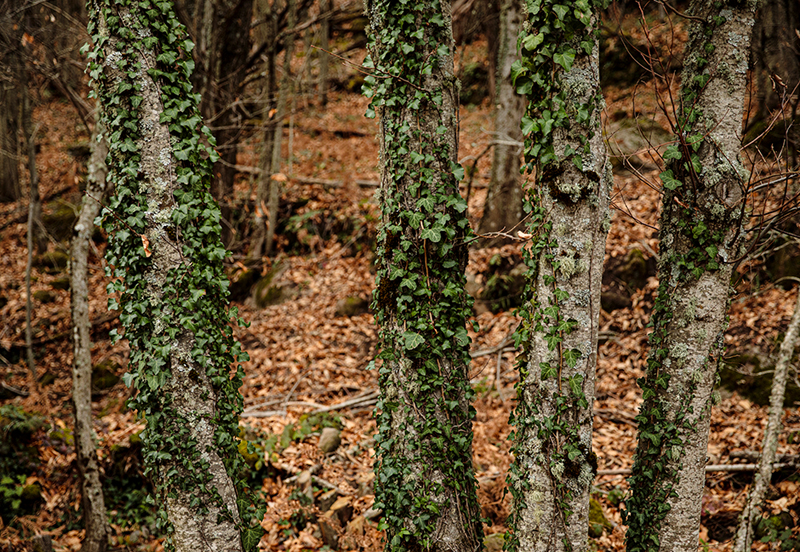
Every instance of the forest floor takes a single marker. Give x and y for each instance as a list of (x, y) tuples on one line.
[(308, 358)]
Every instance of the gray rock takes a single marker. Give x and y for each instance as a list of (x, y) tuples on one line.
[(329, 440)]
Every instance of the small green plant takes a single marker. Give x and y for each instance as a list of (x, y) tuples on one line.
[(11, 489)]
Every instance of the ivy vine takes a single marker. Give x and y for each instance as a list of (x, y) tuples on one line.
[(424, 417), (554, 35), (135, 38)]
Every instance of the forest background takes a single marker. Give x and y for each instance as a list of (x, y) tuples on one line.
[(307, 298)]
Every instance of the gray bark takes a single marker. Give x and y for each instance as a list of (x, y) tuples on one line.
[(503, 207), (763, 476), (577, 204), (94, 510), (208, 525), (695, 319)]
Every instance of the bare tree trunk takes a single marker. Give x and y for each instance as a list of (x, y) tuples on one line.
[(762, 477), (275, 177), (503, 207), (94, 510), (223, 49), (569, 220), (266, 33), (325, 7), (424, 477), (10, 100), (35, 239), (35, 206), (702, 210)]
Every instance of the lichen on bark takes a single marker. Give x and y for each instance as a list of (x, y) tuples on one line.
[(700, 233), (568, 204)]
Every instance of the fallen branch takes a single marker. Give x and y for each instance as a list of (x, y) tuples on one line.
[(365, 399), (496, 349), (755, 456), (709, 469)]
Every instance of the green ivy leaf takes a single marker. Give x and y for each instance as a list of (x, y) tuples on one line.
[(672, 152), (565, 59), (669, 180), (412, 340)]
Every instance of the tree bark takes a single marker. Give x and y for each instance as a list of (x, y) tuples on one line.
[(775, 51), (274, 176), (503, 207), (10, 63), (35, 237), (266, 34), (702, 210), (223, 49), (763, 476), (425, 482), (94, 510), (168, 259), (553, 460), (324, 32)]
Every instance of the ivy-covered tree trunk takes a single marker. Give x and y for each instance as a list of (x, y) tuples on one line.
[(568, 204), (701, 217), (94, 510), (167, 260), (503, 208), (425, 482)]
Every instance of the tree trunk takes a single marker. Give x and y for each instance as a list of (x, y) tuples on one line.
[(223, 50), (702, 209), (425, 482), (324, 35), (763, 476), (10, 62), (94, 510), (569, 219), (775, 51), (167, 255), (503, 207), (275, 177), (266, 33), (35, 237), (35, 225)]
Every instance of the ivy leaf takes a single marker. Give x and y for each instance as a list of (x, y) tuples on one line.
[(548, 371), (530, 42), (561, 11), (462, 337), (458, 171), (576, 385), (528, 125), (433, 234), (669, 180), (427, 203), (571, 357), (565, 59), (672, 152), (412, 340), (251, 536)]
